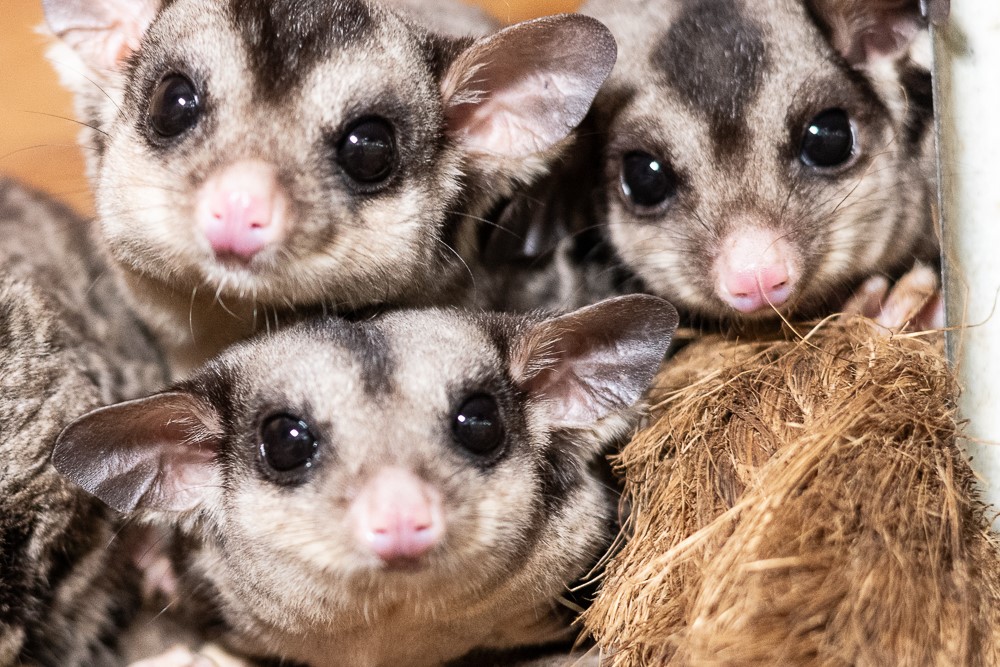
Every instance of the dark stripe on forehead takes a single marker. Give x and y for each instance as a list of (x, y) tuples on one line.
[(715, 57), (286, 39), (371, 349)]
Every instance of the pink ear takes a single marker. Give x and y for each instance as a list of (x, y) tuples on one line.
[(103, 32), (157, 453), (524, 89), (865, 31), (595, 362)]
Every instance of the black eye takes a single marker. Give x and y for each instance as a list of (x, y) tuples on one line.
[(477, 426), (829, 140), (174, 107), (367, 152), (287, 444), (647, 181)]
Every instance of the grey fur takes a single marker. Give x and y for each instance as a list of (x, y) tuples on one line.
[(545, 249), (413, 242), (871, 218), (724, 62), (67, 345), (721, 91), (271, 569)]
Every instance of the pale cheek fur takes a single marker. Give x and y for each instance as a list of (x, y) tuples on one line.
[(391, 243), (291, 557), (659, 260), (320, 561), (858, 224), (854, 240), (139, 217)]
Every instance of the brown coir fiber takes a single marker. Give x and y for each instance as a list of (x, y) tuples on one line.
[(803, 502)]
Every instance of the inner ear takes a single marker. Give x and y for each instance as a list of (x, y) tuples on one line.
[(522, 90), (596, 362), (156, 453), (104, 33), (866, 31)]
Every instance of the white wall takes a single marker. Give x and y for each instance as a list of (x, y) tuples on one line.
[(967, 55)]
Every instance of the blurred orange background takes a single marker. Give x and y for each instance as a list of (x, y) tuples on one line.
[(37, 137)]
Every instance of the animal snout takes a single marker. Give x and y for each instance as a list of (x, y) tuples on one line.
[(756, 270), (242, 210), (398, 517)]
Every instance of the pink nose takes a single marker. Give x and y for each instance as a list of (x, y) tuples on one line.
[(755, 270), (398, 517), (241, 210)]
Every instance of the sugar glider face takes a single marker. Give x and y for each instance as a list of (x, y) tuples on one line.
[(411, 470), (299, 153), (765, 156)]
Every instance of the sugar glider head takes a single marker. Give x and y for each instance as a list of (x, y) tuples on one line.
[(765, 156), (308, 151), (422, 458)]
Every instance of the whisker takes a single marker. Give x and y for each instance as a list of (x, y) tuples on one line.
[(66, 118)]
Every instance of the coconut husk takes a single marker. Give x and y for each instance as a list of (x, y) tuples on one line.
[(802, 502)]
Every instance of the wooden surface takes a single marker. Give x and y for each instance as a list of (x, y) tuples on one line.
[(520, 10), (37, 133)]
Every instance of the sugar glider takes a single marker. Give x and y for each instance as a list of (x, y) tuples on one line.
[(402, 490), (67, 346), (745, 159), (768, 156), (254, 158)]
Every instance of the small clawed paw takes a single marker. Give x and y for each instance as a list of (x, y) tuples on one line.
[(914, 303)]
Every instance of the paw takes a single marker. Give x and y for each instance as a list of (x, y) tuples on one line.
[(219, 657), (914, 303), (208, 656), (176, 657)]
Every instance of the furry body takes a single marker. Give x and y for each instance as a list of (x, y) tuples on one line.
[(720, 94), (272, 565), (66, 346), (279, 89)]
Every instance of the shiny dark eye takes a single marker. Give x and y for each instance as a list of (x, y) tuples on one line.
[(829, 140), (367, 152), (174, 107), (478, 426), (287, 444), (647, 181)]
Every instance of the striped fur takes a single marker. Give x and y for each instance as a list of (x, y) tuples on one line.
[(66, 347), (282, 82), (722, 91), (274, 570)]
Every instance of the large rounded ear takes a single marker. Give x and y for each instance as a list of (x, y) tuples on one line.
[(596, 363), (156, 453), (102, 33), (523, 89), (867, 31)]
